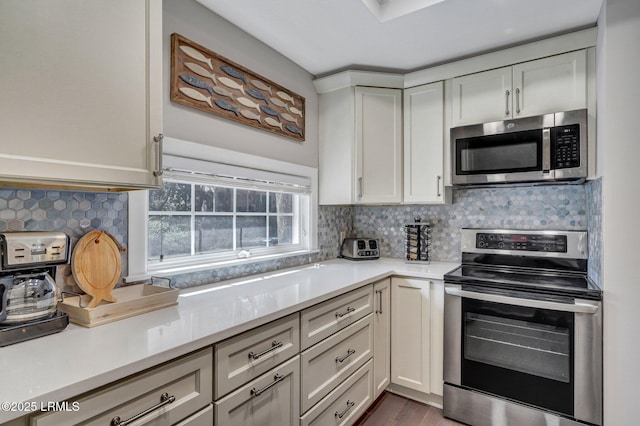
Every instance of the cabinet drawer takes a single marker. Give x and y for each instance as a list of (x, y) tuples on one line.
[(243, 358), (324, 319), (346, 403), (188, 379), (203, 417), (327, 364), (271, 399)]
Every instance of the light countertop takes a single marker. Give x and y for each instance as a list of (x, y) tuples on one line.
[(78, 359)]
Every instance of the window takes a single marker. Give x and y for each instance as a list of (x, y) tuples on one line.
[(191, 219), (210, 213)]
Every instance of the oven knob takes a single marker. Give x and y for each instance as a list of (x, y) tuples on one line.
[(500, 245)]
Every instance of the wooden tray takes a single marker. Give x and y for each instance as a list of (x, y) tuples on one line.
[(131, 300)]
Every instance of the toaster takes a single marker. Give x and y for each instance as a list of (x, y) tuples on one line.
[(360, 249)]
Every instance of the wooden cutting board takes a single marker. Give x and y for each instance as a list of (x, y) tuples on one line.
[(96, 266)]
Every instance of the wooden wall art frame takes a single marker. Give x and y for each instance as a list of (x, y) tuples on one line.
[(204, 80)]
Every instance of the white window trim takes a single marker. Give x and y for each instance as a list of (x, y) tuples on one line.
[(138, 208)]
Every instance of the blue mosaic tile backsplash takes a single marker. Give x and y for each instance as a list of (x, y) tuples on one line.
[(572, 207)]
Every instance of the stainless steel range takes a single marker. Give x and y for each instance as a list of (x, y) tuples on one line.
[(523, 331)]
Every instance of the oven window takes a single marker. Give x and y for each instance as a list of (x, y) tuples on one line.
[(524, 346), (505, 153), (520, 353)]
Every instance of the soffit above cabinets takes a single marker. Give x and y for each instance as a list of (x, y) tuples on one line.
[(329, 36)]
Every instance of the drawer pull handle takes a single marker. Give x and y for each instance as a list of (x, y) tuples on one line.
[(349, 353), (347, 312), (350, 405), (379, 310), (276, 379), (274, 345), (165, 399)]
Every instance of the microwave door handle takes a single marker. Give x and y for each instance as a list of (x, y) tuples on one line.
[(578, 307), (546, 150)]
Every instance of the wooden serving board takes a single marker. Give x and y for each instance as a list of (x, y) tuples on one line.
[(132, 300), (96, 266)]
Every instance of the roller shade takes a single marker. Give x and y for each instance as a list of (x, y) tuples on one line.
[(220, 174)]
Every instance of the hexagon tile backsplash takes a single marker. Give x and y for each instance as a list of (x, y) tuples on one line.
[(74, 213), (529, 207)]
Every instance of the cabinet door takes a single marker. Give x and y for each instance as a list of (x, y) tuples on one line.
[(81, 97), (336, 148), (271, 399), (423, 144), (410, 334), (378, 145), (482, 97), (381, 336), (437, 336), (554, 84)]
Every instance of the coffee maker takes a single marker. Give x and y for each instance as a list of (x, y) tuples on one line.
[(28, 299)]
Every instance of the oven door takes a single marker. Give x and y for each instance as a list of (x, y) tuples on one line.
[(543, 351)]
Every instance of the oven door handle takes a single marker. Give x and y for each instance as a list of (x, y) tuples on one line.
[(583, 307)]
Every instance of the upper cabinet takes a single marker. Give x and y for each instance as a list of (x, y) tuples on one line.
[(552, 84), (378, 145), (361, 146), (81, 90), (424, 144)]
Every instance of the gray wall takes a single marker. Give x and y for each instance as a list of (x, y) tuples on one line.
[(195, 22), (618, 116)]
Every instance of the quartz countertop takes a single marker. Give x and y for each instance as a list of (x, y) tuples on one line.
[(79, 359)]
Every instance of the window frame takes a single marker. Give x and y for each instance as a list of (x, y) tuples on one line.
[(140, 268)]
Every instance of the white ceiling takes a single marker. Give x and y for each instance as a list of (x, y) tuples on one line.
[(326, 36)]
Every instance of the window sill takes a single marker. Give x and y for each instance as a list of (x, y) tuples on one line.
[(170, 270)]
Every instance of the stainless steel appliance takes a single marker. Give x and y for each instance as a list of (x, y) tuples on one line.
[(360, 249), (549, 147), (28, 300), (523, 331)]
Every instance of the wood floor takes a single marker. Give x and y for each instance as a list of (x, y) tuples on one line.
[(394, 410)]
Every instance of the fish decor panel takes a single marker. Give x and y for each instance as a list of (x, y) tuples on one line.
[(204, 80)]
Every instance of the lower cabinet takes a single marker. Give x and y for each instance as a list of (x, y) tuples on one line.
[(324, 365), (271, 399), (330, 362), (346, 403), (417, 337), (203, 417), (164, 395), (381, 336)]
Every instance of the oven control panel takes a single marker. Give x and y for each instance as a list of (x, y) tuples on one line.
[(523, 242)]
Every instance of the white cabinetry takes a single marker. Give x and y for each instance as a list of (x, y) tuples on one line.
[(378, 145), (417, 337), (381, 336), (271, 399), (164, 395), (424, 144), (81, 92), (552, 84), (361, 146)]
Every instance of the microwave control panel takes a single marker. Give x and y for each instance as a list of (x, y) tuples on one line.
[(565, 146), (527, 242)]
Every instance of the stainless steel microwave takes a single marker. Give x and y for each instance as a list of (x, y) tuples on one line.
[(549, 147)]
